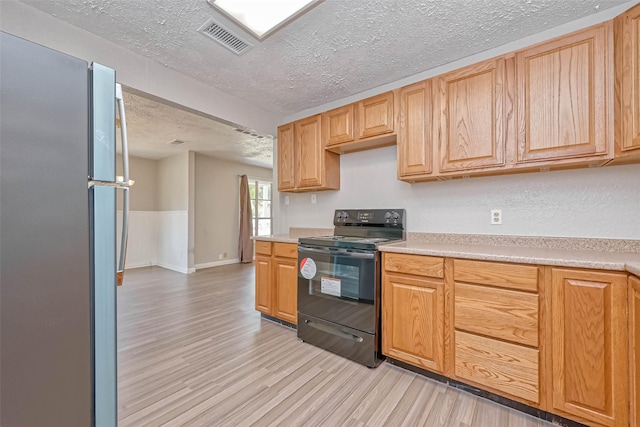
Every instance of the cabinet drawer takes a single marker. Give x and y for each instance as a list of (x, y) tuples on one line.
[(263, 247), (508, 369), (497, 313), (510, 276), (418, 265), (285, 250)]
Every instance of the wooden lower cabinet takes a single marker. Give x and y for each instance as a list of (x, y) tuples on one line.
[(589, 346), (497, 345), (560, 339), (504, 368), (413, 321), (264, 285), (413, 310), (277, 280), (634, 347), (286, 287)]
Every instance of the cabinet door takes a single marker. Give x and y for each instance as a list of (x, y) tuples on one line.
[(562, 97), (413, 321), (415, 133), (338, 125), (472, 116), (310, 152), (589, 345), (286, 158), (627, 63), (375, 115), (634, 345), (286, 289), (263, 285)]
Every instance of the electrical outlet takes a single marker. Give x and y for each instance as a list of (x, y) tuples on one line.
[(496, 217), (286, 200), (313, 198), (219, 256)]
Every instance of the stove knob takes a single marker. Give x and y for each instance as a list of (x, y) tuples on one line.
[(396, 215), (345, 215), (387, 215)]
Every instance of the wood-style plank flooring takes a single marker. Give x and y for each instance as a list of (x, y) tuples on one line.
[(193, 352)]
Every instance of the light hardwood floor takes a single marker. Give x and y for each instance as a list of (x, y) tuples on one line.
[(193, 352)]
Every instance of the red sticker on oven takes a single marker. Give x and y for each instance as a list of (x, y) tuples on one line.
[(308, 268)]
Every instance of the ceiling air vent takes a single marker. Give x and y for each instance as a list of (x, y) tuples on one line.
[(175, 142), (226, 38)]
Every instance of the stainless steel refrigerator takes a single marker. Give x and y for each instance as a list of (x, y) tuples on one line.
[(58, 238)]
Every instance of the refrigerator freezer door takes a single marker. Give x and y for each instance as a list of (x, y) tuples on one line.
[(103, 206)]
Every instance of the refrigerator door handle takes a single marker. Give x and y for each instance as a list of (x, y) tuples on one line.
[(125, 233), (124, 184), (123, 133)]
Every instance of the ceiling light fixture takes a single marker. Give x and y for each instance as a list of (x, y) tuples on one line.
[(261, 18)]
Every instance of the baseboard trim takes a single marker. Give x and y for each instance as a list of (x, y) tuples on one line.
[(139, 265), (182, 270), (217, 263)]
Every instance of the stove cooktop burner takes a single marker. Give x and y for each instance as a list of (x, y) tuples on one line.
[(362, 229), (347, 241)]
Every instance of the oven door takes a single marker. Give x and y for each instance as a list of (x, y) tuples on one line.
[(340, 285)]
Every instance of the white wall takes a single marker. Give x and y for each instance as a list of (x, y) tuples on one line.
[(143, 241), (173, 216), (602, 202), (132, 70), (217, 208)]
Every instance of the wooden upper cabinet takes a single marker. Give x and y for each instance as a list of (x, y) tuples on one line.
[(415, 130), (563, 97), (309, 160), (375, 115), (337, 125), (472, 116), (590, 345), (627, 82), (286, 158), (303, 162)]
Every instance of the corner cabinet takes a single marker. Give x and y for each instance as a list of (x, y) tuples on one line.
[(413, 310), (627, 84), (276, 277), (564, 108), (589, 345), (303, 162)]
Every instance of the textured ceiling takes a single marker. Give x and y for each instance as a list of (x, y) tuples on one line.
[(152, 124), (337, 49)]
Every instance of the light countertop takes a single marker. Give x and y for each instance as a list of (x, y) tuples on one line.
[(593, 259), (600, 254)]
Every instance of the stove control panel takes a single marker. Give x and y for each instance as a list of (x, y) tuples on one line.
[(370, 217)]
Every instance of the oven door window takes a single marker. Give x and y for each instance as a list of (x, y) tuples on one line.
[(339, 274)]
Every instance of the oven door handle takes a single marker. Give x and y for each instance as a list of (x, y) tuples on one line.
[(334, 331), (338, 253)]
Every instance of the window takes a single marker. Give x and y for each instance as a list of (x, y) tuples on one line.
[(260, 193)]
